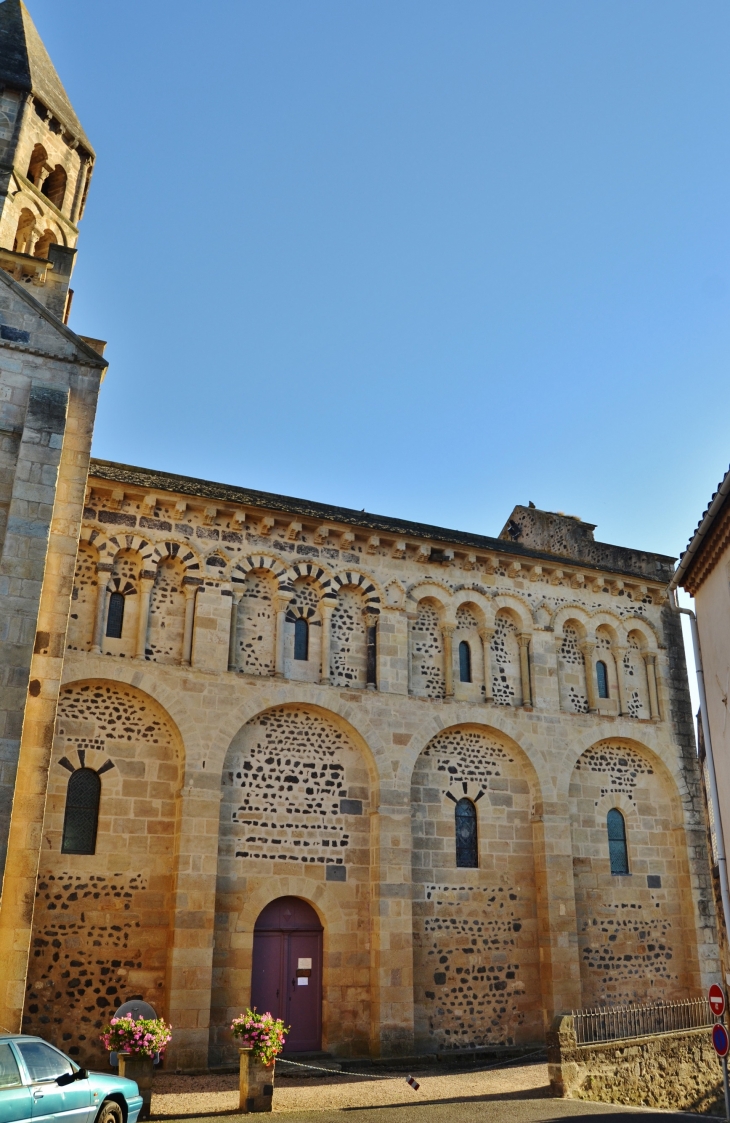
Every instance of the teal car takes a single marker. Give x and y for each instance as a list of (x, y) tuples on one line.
[(40, 1084)]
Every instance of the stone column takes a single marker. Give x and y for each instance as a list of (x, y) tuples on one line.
[(447, 633), (524, 642), (103, 571), (391, 928), (139, 1068), (255, 1083), (618, 655), (280, 606), (190, 591), (650, 660), (411, 618), (145, 592), (236, 595), (190, 955), (588, 647), (325, 612), (79, 192), (557, 929), (486, 635)]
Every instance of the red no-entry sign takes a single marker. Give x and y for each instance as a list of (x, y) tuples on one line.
[(720, 1040), (717, 1000)]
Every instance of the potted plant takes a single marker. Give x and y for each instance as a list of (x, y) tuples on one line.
[(261, 1039), (137, 1043)]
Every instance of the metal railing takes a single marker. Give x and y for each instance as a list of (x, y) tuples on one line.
[(612, 1023)]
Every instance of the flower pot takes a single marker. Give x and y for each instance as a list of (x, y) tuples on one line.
[(138, 1067), (256, 1083)]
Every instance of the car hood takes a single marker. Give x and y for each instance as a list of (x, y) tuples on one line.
[(107, 1082)]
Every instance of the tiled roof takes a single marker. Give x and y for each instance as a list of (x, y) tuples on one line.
[(704, 515)]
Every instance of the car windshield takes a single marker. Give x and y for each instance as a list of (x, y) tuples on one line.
[(9, 1071), (43, 1062)]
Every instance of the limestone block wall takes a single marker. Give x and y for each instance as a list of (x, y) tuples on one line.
[(419, 952), (49, 384), (632, 932), (295, 804), (476, 968), (102, 920)]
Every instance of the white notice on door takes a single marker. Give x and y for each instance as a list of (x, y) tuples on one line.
[(304, 964), (302, 981)]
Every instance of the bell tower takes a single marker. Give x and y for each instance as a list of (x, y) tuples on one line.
[(46, 159)]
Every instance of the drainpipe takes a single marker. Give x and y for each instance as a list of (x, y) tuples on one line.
[(714, 801)]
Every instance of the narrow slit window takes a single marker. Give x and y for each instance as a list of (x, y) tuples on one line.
[(617, 848), (82, 812), (602, 679), (467, 853), (464, 661), (115, 616), (371, 655), (301, 639)]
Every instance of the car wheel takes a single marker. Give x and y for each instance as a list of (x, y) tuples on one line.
[(110, 1112)]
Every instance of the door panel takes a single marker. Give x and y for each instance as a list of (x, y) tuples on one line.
[(14, 1104), (268, 991), (304, 991), (15, 1099), (71, 1103)]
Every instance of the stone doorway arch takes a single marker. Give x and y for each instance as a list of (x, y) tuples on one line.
[(286, 976)]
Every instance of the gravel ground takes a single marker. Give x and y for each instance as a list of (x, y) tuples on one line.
[(178, 1096)]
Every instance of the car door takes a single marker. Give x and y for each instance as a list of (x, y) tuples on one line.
[(71, 1103), (15, 1098)]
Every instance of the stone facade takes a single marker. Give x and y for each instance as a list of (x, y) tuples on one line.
[(234, 772), (418, 732), (49, 384)]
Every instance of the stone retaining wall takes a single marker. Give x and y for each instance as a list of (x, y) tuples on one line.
[(672, 1070)]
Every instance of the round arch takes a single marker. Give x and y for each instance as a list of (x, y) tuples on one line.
[(475, 900), (636, 922)]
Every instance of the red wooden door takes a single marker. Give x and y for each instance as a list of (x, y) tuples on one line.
[(304, 997), (268, 989), (287, 970)]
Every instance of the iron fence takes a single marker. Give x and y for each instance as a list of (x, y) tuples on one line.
[(611, 1023)]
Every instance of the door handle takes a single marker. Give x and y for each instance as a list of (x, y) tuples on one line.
[(38, 1095)]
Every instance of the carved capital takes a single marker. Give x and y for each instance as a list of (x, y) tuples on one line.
[(486, 634), (523, 639), (587, 646)]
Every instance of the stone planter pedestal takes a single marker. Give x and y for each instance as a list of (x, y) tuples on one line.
[(256, 1083), (140, 1069)]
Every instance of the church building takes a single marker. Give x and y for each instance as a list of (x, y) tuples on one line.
[(413, 789)]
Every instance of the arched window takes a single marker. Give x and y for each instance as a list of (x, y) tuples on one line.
[(464, 661), (115, 616), (54, 186), (42, 246), (24, 234), (465, 816), (38, 158), (617, 849), (602, 679), (82, 812), (301, 639)]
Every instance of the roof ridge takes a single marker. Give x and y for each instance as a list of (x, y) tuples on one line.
[(26, 65)]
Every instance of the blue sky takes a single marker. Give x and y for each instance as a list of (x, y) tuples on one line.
[(426, 259)]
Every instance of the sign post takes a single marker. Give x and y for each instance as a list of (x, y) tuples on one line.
[(720, 1039)]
